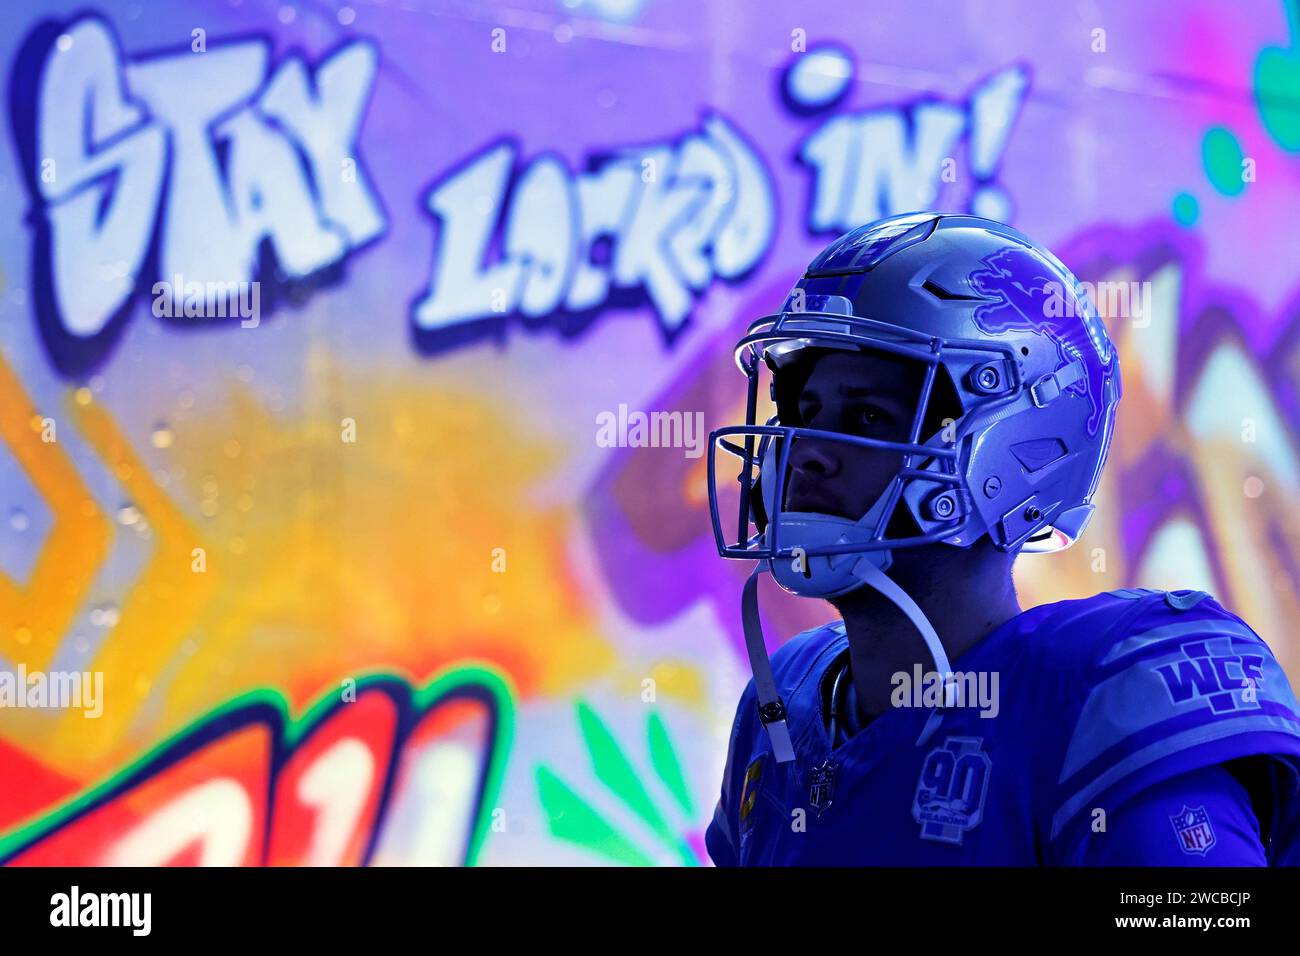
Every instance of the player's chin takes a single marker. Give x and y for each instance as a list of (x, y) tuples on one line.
[(818, 505), (815, 498)]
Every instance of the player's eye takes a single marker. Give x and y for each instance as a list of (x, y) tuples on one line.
[(808, 410), (872, 416)]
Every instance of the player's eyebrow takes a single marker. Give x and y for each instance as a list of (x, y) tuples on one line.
[(856, 391), (866, 391)]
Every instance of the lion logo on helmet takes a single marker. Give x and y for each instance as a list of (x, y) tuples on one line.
[(1030, 295)]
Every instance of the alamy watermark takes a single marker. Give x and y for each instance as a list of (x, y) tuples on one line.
[(1115, 300), (977, 689), (133, 911), (56, 690), (635, 429), (208, 300)]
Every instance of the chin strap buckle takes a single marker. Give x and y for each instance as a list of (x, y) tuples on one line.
[(772, 711), (773, 715), (778, 731), (1049, 387)]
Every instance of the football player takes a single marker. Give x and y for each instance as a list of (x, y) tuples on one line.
[(944, 397)]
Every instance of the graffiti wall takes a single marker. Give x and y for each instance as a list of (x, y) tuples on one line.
[(357, 362)]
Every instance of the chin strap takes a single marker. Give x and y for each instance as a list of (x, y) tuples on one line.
[(771, 710), (868, 573)]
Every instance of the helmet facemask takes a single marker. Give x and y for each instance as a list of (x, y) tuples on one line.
[(858, 443)]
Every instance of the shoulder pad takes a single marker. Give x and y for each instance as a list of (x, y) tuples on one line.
[(792, 661), (1178, 684)]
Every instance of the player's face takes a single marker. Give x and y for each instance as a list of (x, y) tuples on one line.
[(867, 395)]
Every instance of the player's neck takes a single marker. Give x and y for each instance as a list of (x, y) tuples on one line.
[(964, 599)]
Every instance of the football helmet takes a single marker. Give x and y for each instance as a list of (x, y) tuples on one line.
[(990, 319)]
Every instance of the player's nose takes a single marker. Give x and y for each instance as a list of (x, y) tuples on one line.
[(814, 458)]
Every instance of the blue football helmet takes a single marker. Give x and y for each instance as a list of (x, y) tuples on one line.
[(1011, 338)]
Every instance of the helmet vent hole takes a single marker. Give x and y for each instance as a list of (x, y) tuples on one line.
[(1024, 350), (946, 295)]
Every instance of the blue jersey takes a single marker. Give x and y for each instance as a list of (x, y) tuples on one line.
[(1109, 740)]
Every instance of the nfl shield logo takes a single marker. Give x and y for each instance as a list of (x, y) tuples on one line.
[(822, 788), (1192, 825)]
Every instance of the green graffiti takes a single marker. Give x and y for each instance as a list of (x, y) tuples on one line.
[(1186, 209), (666, 764), (574, 819), (1277, 85), (1221, 154)]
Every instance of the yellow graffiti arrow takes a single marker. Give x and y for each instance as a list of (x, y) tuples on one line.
[(35, 616)]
